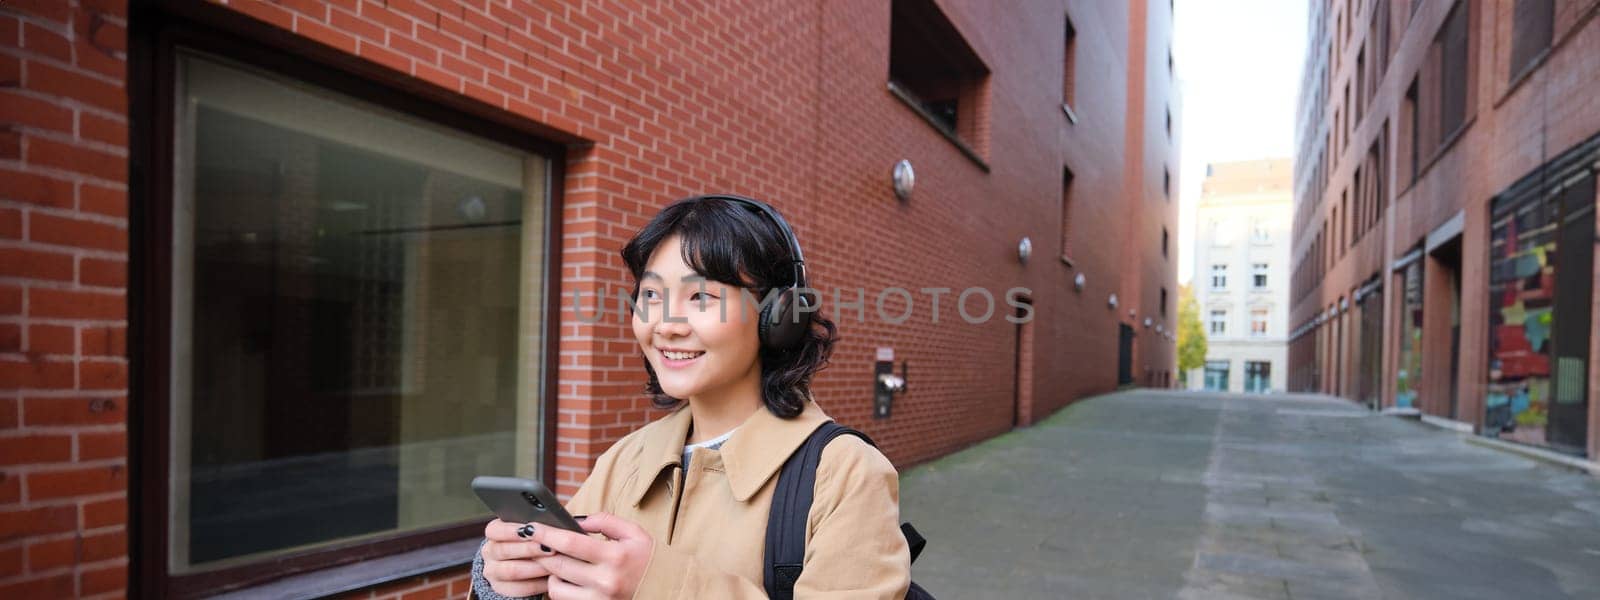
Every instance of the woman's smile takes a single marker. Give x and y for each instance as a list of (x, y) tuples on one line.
[(675, 358)]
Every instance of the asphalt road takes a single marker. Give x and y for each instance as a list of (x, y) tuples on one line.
[(1200, 495)]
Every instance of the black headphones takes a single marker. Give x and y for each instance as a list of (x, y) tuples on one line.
[(782, 323)]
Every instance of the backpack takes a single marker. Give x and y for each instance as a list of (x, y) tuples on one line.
[(791, 505)]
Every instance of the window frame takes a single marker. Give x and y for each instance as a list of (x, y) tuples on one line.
[(1219, 273), (1218, 323), (154, 46), (1265, 321)]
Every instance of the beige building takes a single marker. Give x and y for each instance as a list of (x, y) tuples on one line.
[(1241, 274)]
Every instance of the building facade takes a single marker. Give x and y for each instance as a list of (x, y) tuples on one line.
[(1241, 270), (1444, 213), (280, 278)]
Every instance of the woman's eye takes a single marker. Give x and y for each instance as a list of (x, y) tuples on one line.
[(650, 295), (702, 297)]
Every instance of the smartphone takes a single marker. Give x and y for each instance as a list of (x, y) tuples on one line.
[(518, 500)]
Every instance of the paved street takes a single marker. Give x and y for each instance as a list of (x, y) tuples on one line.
[(1199, 495)]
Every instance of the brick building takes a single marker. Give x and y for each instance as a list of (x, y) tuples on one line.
[(1444, 218), (278, 278)]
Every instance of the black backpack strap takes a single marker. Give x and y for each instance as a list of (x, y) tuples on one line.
[(913, 539), (791, 505)]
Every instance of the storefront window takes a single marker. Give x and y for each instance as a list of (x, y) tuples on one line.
[(1217, 375), (356, 319), (1257, 376), (1541, 244), (1408, 377)]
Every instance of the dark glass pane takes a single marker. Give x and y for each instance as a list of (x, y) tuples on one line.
[(354, 319)]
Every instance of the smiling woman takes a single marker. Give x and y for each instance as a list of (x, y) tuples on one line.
[(683, 503)]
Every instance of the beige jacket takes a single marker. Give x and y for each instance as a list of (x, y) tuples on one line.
[(710, 531)]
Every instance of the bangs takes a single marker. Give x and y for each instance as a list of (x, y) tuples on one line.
[(721, 241)]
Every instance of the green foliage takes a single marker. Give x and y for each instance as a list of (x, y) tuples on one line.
[(1191, 336)]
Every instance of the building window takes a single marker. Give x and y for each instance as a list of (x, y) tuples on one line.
[(1169, 124), (1163, 302), (1166, 183), (1379, 33), (356, 299), (1219, 322), (1257, 376), (1217, 375), (1066, 213), (1258, 322), (935, 71), (1361, 82), (1413, 132), (1348, 123), (1069, 71), (1532, 22), (1258, 272), (1163, 242), (1451, 45), (1259, 232), (1219, 277)]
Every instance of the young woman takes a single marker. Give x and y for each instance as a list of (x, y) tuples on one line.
[(681, 505)]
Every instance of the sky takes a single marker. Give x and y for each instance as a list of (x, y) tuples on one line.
[(1238, 64)]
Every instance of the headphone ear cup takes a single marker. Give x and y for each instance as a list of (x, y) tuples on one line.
[(764, 321), (783, 323)]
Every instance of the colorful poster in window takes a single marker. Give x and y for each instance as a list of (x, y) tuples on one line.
[(1522, 259), (1408, 377)]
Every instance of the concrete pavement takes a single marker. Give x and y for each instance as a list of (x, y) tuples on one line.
[(1156, 494)]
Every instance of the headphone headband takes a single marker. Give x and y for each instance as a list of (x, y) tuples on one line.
[(763, 208)]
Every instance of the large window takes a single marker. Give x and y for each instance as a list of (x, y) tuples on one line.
[(935, 71), (1258, 321), (1532, 23), (1451, 47), (1408, 375), (356, 320), (1540, 317), (1258, 273), (1257, 376), (1217, 375), (1219, 277)]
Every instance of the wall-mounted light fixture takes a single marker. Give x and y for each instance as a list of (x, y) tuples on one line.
[(1024, 249), (1079, 281), (904, 179)]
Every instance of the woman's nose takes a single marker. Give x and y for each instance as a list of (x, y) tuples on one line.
[(672, 324)]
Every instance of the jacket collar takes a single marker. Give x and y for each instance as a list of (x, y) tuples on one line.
[(756, 451)]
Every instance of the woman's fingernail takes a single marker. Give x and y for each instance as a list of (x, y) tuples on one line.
[(525, 531), (580, 517), (544, 547)]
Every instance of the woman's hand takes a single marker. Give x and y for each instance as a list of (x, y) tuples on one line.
[(586, 567), (510, 562)]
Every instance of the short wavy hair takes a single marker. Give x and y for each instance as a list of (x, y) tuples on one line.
[(728, 243)]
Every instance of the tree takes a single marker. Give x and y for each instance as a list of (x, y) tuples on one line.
[(1191, 336)]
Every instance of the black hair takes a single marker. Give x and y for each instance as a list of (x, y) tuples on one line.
[(729, 243)]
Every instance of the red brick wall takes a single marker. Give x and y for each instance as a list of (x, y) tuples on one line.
[(784, 101), (63, 276)]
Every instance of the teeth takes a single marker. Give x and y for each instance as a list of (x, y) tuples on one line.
[(680, 355)]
